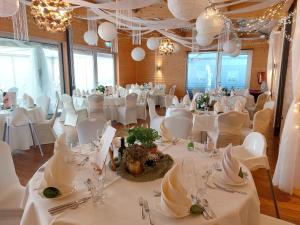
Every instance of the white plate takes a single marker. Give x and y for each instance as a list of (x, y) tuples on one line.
[(220, 179), (163, 212), (64, 190)]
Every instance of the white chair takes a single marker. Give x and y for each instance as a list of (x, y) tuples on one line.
[(172, 90), (252, 153), (141, 106), (44, 129), (155, 119), (268, 220), (19, 119), (261, 100), (63, 98), (127, 114), (11, 191), (228, 129), (44, 102), (261, 122), (269, 105), (95, 106), (181, 112), (73, 116), (88, 129), (175, 100), (178, 126)]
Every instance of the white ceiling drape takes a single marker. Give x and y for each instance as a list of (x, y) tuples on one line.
[(287, 172)]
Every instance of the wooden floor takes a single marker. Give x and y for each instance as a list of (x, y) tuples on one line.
[(27, 162)]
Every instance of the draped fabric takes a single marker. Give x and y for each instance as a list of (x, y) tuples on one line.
[(274, 57), (287, 172)]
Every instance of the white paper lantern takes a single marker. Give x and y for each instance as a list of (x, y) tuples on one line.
[(236, 53), (187, 9), (107, 31), (209, 22), (138, 54), (8, 7), (91, 37), (204, 39), (176, 47), (153, 43), (230, 46)]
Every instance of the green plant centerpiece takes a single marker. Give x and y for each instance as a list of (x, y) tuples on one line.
[(203, 101), (141, 149), (101, 89)]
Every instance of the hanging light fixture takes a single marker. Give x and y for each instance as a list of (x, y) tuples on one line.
[(51, 15), (166, 47)]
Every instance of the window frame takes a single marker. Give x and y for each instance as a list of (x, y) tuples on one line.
[(219, 65), (94, 51)]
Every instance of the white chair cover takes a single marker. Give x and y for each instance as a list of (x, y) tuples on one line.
[(87, 129), (181, 112), (228, 129), (269, 105), (142, 105), (44, 102), (128, 114), (95, 106), (11, 191), (186, 100), (175, 100), (172, 90), (236, 98), (268, 220), (176, 127), (155, 119), (261, 100), (168, 100)]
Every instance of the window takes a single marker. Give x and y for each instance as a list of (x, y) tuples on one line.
[(206, 70), (84, 70), (33, 68), (105, 69), (93, 68)]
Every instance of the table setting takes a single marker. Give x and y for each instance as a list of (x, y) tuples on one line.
[(191, 191)]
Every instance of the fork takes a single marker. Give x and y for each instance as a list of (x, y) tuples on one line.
[(141, 203), (147, 209)]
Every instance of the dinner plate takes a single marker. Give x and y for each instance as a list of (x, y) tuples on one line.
[(64, 190), (158, 209), (220, 179)]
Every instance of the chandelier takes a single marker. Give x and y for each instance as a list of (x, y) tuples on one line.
[(166, 47), (51, 15)]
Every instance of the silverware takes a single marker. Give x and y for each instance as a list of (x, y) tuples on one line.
[(73, 204), (157, 193), (85, 160), (197, 201), (230, 190), (141, 203), (206, 205), (147, 209)]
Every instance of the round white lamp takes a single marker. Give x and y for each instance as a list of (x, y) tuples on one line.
[(204, 39), (230, 46), (210, 22), (107, 31), (153, 43), (138, 54), (91, 37), (8, 7), (187, 9)]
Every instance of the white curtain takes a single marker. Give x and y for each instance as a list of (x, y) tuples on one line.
[(287, 172), (274, 57)]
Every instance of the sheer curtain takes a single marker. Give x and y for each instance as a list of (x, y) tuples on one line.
[(24, 65), (287, 172)]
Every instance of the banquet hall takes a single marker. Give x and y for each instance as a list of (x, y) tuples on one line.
[(119, 112)]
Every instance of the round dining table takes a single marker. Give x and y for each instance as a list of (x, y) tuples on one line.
[(121, 202)]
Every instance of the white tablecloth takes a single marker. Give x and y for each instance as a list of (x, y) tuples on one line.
[(20, 137), (121, 203), (110, 105)]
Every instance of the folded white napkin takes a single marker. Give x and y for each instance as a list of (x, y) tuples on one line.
[(232, 93), (218, 108), (174, 198), (29, 102), (186, 100), (193, 105), (164, 132), (57, 171), (239, 106), (231, 167), (175, 101)]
